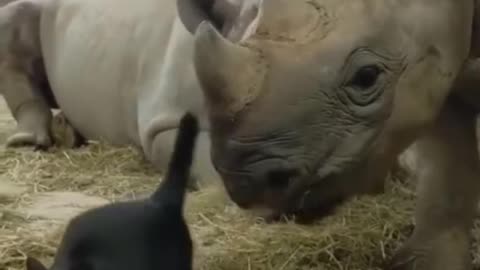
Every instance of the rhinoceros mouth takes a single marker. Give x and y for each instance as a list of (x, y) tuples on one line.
[(308, 204), (298, 199), (318, 195)]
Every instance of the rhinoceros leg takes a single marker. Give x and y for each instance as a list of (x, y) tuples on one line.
[(23, 78), (448, 194), (203, 172), (30, 110)]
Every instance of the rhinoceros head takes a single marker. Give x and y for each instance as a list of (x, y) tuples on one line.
[(310, 101)]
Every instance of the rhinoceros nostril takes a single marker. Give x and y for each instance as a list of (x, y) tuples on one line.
[(280, 179)]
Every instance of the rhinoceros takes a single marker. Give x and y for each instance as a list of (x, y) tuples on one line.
[(303, 104), (119, 72), (316, 105)]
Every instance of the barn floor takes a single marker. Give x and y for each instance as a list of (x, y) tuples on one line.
[(40, 192)]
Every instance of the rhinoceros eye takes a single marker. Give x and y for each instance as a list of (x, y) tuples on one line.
[(366, 77)]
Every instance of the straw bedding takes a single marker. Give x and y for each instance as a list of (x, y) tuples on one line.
[(360, 236)]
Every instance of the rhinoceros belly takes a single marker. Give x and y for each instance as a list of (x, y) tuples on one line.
[(98, 55)]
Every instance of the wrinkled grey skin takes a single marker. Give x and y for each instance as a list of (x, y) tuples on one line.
[(317, 105)]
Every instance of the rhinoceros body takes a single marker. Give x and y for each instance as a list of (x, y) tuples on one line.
[(120, 72)]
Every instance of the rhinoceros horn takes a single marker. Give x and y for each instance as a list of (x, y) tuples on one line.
[(228, 72)]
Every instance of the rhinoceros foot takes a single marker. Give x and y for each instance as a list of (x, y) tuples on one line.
[(447, 250), (38, 139), (33, 125)]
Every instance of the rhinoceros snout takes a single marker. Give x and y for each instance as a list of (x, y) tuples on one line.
[(264, 183)]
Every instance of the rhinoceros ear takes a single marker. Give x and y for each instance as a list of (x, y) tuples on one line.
[(34, 264), (236, 20)]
